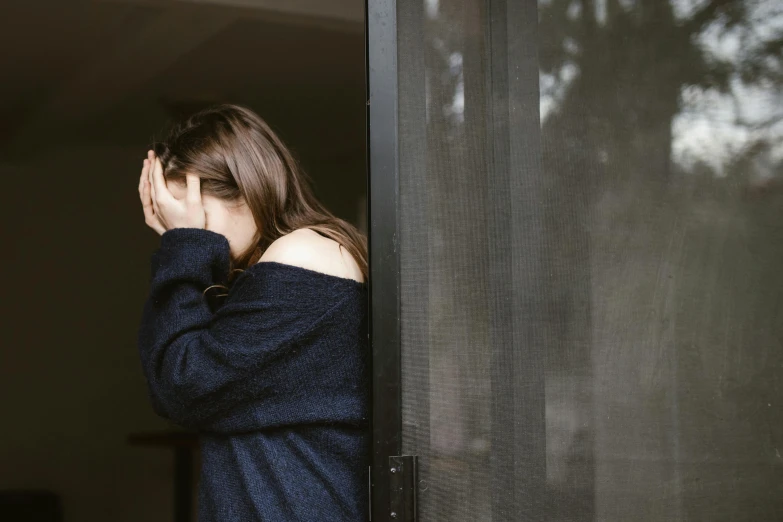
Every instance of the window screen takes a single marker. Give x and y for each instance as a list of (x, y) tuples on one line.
[(591, 226)]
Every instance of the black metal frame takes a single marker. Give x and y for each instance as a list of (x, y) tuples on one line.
[(521, 476), (383, 215)]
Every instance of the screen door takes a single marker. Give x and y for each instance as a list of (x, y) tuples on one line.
[(577, 248)]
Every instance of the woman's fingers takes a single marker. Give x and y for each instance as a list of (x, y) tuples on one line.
[(143, 176), (144, 193), (159, 188), (194, 189), (146, 196), (149, 177), (151, 216), (162, 210), (149, 213)]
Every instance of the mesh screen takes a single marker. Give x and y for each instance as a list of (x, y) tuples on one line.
[(591, 245)]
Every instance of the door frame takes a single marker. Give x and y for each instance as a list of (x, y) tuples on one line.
[(384, 252)]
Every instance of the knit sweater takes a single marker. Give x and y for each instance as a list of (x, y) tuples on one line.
[(273, 378)]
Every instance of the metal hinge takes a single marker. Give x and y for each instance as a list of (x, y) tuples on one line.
[(403, 481)]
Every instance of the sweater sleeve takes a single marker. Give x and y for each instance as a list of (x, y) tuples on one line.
[(200, 366)]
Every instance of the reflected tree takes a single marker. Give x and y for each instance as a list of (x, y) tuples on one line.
[(662, 148)]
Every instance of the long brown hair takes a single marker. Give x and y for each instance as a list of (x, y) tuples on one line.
[(238, 157)]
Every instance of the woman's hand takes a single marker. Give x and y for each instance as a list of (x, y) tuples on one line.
[(162, 211)]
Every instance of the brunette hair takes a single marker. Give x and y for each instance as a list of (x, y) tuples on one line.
[(238, 157)]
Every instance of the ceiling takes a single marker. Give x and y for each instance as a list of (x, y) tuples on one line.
[(111, 71)]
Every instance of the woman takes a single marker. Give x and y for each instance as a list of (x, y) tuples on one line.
[(255, 329)]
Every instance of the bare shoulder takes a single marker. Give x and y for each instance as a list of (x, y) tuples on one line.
[(306, 248)]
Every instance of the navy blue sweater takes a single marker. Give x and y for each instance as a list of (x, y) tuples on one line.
[(274, 378)]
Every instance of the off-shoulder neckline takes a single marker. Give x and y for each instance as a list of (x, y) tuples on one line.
[(307, 272)]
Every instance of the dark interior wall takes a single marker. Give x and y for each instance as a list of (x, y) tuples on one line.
[(76, 259), (76, 263)]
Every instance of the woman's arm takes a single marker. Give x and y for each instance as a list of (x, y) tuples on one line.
[(210, 370)]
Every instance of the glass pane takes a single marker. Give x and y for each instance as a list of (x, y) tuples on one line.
[(591, 236)]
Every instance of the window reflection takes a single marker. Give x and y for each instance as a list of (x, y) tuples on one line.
[(662, 160), (661, 133)]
